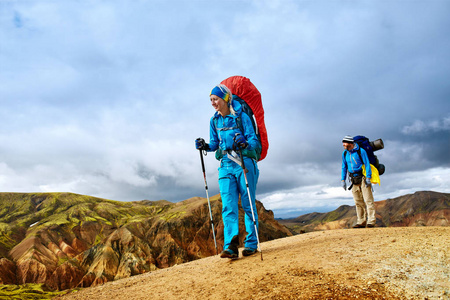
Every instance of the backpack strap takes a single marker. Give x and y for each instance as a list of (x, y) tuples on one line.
[(359, 153), (238, 122)]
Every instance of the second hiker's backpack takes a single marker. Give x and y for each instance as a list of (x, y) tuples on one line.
[(371, 147), (250, 98)]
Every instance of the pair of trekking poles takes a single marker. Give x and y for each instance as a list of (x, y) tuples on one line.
[(249, 198)]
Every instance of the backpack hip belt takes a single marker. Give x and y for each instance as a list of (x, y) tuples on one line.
[(356, 178), (234, 157), (220, 153)]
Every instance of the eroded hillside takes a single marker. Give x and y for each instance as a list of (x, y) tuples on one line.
[(419, 209), (66, 240)]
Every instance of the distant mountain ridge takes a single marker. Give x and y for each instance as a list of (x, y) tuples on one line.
[(423, 208), (66, 240)]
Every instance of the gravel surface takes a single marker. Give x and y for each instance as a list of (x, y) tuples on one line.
[(375, 263)]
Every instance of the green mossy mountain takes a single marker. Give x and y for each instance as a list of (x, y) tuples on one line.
[(66, 240)]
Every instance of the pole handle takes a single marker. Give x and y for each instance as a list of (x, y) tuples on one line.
[(240, 153), (201, 158)]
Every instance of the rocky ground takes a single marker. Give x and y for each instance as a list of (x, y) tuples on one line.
[(376, 263)]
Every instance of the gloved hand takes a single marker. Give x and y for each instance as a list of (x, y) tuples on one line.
[(344, 184), (239, 141), (368, 183), (200, 144)]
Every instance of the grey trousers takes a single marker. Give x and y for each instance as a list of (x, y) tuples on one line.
[(365, 208)]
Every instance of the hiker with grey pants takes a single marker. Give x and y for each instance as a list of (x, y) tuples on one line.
[(353, 159)]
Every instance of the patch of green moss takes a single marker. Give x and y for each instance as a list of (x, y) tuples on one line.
[(172, 215), (74, 221), (27, 291), (6, 240), (331, 216), (4, 227), (58, 219), (98, 218), (99, 238), (62, 260), (89, 219)]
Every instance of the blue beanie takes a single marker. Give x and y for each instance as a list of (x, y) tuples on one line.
[(220, 92)]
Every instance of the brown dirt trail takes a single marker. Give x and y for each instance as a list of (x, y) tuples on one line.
[(376, 263)]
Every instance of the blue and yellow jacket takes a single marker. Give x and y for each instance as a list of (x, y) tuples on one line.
[(352, 163)]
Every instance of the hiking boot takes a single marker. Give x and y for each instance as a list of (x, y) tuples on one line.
[(359, 226), (249, 251), (234, 244), (228, 253), (370, 225)]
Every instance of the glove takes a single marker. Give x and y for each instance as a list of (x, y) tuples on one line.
[(239, 141), (200, 144), (368, 183), (344, 184)]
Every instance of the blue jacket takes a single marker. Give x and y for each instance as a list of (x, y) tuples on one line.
[(227, 127), (353, 164)]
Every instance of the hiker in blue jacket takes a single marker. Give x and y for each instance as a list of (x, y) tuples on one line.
[(353, 158), (231, 128)]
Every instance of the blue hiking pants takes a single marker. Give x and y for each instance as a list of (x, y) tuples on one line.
[(232, 184)]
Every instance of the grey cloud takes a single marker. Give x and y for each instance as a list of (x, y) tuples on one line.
[(115, 98), (419, 127)]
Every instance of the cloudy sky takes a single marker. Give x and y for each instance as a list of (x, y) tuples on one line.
[(106, 98)]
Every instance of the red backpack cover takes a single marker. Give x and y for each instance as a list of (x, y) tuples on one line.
[(244, 89)]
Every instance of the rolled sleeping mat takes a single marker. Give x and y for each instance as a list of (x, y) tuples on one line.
[(377, 144)]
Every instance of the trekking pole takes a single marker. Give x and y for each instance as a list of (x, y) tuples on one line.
[(209, 203), (250, 200)]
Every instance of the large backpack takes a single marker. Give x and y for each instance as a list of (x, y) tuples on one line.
[(370, 148), (250, 98)]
